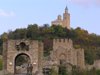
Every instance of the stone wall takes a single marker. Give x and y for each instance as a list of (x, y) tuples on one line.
[(5, 55), (63, 50), (65, 43), (12, 48), (95, 65)]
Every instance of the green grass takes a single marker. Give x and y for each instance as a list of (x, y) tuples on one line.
[(45, 54)]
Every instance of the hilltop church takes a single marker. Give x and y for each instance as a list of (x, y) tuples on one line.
[(66, 19)]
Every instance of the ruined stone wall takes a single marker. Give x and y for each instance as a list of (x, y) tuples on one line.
[(95, 65), (5, 55)]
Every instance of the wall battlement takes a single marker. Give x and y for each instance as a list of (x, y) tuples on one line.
[(62, 41)]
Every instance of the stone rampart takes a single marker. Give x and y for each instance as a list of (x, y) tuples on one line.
[(96, 65), (65, 43)]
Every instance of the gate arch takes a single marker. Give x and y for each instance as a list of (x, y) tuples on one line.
[(15, 57)]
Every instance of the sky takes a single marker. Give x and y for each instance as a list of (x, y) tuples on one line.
[(16, 14)]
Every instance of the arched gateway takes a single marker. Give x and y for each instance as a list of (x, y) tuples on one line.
[(13, 48)]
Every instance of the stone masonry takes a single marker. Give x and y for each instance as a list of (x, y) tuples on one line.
[(62, 51), (13, 48)]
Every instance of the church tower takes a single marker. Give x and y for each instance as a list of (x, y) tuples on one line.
[(66, 19), (65, 22)]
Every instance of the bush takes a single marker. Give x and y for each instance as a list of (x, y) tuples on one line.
[(1, 61), (98, 72), (45, 54), (62, 70), (53, 72)]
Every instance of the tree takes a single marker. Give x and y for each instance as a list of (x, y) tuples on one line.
[(4, 37)]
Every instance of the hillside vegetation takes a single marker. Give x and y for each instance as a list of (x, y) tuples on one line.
[(81, 38)]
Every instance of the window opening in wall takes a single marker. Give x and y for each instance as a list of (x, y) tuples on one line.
[(22, 46)]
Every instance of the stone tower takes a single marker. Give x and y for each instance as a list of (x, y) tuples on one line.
[(66, 19)]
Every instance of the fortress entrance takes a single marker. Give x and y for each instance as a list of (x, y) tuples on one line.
[(21, 62), (18, 53)]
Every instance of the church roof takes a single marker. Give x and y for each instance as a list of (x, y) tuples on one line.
[(57, 20)]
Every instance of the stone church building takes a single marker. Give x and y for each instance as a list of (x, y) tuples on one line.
[(66, 20)]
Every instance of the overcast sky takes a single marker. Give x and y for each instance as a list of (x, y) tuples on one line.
[(19, 13)]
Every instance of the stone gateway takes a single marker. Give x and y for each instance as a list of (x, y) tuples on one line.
[(13, 48), (62, 51)]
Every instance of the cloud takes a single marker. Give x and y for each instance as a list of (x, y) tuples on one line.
[(4, 14), (86, 3)]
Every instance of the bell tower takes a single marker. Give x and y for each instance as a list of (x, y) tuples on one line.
[(66, 18), (66, 9)]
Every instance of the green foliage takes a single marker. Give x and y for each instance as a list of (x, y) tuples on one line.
[(1, 50), (98, 72), (53, 71), (93, 71), (77, 46), (62, 70), (4, 37), (20, 60), (45, 54), (81, 38), (1, 62)]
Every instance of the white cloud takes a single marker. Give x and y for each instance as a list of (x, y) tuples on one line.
[(86, 3), (3, 13)]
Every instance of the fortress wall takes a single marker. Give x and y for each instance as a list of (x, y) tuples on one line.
[(95, 65), (5, 55), (74, 57), (40, 56), (65, 43), (80, 58)]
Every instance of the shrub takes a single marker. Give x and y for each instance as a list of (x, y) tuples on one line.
[(53, 72), (1, 63)]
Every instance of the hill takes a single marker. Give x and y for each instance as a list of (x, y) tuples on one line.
[(81, 38)]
